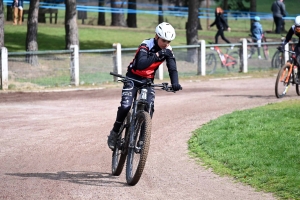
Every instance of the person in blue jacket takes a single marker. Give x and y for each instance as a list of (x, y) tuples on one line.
[(257, 33)]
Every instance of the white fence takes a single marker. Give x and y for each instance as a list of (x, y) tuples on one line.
[(79, 67)]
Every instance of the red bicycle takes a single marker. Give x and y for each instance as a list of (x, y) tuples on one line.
[(229, 60)]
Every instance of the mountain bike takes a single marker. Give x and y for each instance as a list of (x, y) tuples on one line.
[(134, 136), (251, 49), (278, 57), (287, 75), (229, 60)]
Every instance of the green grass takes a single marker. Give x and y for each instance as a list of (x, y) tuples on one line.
[(259, 147)]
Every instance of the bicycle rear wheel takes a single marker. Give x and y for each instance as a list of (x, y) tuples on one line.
[(283, 81), (120, 152), (297, 89), (265, 49), (235, 59), (138, 151), (211, 63)]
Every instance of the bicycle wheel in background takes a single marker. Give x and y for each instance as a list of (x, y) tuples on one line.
[(138, 152), (120, 152), (265, 49), (277, 60), (233, 58), (282, 81), (211, 63)]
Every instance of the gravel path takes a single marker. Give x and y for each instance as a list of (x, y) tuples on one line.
[(53, 144)]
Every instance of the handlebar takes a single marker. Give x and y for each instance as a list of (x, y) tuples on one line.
[(163, 86)]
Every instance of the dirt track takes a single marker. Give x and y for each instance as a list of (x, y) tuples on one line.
[(53, 144)]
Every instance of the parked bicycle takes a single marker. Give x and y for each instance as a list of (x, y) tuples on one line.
[(134, 136), (278, 57), (287, 75), (251, 49), (229, 60)]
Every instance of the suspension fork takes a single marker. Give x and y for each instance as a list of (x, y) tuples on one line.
[(132, 125), (289, 74)]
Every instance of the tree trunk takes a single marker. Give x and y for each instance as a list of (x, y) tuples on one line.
[(71, 24), (252, 9), (160, 15), (32, 29), (101, 15), (117, 17), (131, 16), (192, 30), (1, 25)]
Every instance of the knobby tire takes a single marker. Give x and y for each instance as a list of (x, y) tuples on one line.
[(281, 87), (120, 152), (136, 160)]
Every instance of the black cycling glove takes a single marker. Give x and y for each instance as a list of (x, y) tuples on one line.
[(165, 53), (281, 48), (176, 86)]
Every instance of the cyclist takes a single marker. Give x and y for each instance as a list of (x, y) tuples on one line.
[(150, 54), (257, 32), (295, 29)]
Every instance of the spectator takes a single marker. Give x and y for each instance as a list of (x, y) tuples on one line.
[(257, 32), (221, 25), (18, 11), (278, 9)]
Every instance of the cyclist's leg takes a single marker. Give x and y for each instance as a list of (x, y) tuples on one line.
[(128, 93)]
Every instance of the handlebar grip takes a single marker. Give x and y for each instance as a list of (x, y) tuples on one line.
[(115, 74)]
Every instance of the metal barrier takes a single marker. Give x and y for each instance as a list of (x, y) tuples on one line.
[(69, 68)]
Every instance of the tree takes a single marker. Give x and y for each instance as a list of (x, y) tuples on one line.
[(131, 15), (71, 24), (192, 29), (1, 25), (160, 10), (101, 15), (32, 27), (117, 16)]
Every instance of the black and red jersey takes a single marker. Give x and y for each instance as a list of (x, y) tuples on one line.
[(145, 62)]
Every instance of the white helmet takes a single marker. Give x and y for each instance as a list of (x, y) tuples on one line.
[(297, 21), (297, 26), (165, 31)]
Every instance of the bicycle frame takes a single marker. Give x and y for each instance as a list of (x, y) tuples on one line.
[(224, 57)]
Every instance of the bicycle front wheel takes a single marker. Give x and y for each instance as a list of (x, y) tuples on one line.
[(138, 149), (297, 89), (233, 62), (120, 152), (283, 81)]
